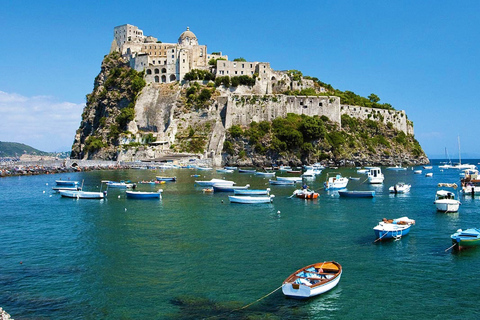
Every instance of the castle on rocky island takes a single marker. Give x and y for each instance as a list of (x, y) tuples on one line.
[(170, 62)]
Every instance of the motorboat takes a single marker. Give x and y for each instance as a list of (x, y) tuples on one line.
[(265, 174), (470, 182), (466, 238), (397, 168), (66, 183), (445, 200), (393, 229), (312, 280), (251, 199), (417, 171), (294, 179), (400, 187), (247, 171), (121, 184), (375, 176), (159, 178), (335, 182), (224, 170), (429, 174), (281, 182)]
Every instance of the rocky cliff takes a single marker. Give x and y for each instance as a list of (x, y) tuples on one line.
[(127, 119)]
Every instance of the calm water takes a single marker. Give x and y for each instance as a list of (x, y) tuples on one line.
[(194, 255)]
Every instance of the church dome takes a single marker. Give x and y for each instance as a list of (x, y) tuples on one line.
[(188, 38)]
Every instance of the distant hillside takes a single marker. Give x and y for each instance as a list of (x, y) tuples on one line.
[(12, 149)]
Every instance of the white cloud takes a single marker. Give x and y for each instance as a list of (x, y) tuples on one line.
[(40, 121)]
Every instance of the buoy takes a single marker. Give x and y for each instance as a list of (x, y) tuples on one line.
[(125, 209), (278, 213), (118, 197), (46, 184), (222, 201), (43, 191)]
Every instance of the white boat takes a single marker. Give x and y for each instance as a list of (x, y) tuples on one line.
[(281, 182), (57, 189), (251, 199), (428, 167), (225, 170), (375, 176), (461, 166), (66, 183), (335, 182), (397, 168), (400, 188), (445, 200), (470, 182), (204, 168), (228, 188), (210, 183), (362, 171), (417, 171), (393, 229), (284, 168), (294, 179), (312, 280), (121, 184), (82, 194), (429, 174), (311, 173), (265, 174)]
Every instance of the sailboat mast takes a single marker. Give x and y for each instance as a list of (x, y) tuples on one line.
[(459, 153)]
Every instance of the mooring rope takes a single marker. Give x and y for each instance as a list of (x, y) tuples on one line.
[(450, 247), (381, 237), (246, 306)]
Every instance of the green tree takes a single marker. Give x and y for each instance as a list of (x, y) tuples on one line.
[(241, 59), (373, 98)]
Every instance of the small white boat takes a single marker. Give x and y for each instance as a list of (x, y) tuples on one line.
[(281, 182), (375, 176), (312, 280), (445, 200), (204, 168), (265, 174), (228, 188), (362, 171), (429, 174), (397, 168), (417, 172), (121, 184), (225, 170), (311, 173), (251, 199), (400, 188), (82, 194), (144, 194), (210, 183), (428, 167), (57, 189), (336, 182)]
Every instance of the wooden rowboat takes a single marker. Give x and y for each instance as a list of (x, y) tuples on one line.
[(312, 280)]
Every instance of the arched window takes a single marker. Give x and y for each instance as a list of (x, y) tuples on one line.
[(164, 79), (157, 79), (164, 70), (172, 77), (149, 71), (157, 71), (273, 79)]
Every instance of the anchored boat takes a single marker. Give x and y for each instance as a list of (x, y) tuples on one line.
[(466, 238), (393, 229), (312, 280)]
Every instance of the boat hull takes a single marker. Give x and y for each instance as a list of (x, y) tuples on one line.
[(247, 192), (66, 183), (357, 194), (166, 178), (143, 195), (228, 188), (81, 194), (466, 238), (447, 206), (391, 234), (250, 200)]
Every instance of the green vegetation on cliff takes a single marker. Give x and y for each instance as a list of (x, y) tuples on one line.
[(300, 138)]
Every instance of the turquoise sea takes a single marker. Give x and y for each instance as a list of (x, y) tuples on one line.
[(193, 255)]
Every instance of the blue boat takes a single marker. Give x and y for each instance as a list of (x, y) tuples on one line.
[(356, 194), (466, 238), (282, 182), (247, 170), (252, 192), (159, 178), (66, 183), (390, 229), (144, 195)]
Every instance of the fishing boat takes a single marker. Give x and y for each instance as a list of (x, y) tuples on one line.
[(251, 199), (335, 182), (211, 182), (356, 193), (305, 194), (400, 187), (121, 184), (224, 170), (144, 194), (393, 229), (228, 188), (445, 200), (82, 194), (159, 178), (312, 280), (265, 174), (281, 182), (66, 183), (251, 192), (294, 179), (375, 176), (466, 238)]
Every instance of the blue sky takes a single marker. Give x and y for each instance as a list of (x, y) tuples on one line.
[(419, 56)]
